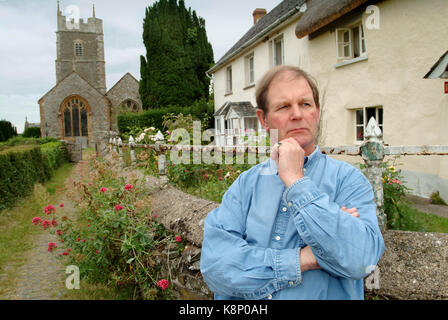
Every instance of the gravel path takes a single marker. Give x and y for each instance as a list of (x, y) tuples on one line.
[(42, 276)]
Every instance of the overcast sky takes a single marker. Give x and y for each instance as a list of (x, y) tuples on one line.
[(28, 43)]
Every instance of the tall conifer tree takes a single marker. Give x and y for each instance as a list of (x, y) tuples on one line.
[(177, 56)]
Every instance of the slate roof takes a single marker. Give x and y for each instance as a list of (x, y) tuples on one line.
[(258, 29), (243, 109)]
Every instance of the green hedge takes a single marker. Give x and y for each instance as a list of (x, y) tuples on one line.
[(20, 168), (154, 117), (32, 132)]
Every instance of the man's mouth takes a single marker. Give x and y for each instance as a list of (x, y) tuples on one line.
[(298, 130)]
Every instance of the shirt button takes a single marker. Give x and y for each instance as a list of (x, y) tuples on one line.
[(284, 209), (289, 204), (277, 238), (304, 169), (291, 283), (270, 296)]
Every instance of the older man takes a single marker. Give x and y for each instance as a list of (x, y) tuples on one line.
[(288, 234)]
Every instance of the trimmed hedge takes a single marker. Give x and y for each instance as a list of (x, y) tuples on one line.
[(32, 132), (154, 117), (20, 169)]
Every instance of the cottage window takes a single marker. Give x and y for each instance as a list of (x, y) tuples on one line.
[(278, 51), (129, 105), (351, 42), (250, 73), (229, 79), (362, 119), (75, 118)]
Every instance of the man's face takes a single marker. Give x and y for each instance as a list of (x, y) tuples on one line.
[(291, 110)]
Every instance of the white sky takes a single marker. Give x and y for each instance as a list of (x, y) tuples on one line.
[(28, 43)]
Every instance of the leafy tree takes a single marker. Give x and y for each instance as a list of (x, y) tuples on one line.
[(178, 55), (7, 130)]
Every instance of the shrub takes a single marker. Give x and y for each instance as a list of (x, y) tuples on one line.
[(33, 132), (435, 198)]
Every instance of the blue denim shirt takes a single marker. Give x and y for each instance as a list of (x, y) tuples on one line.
[(251, 246)]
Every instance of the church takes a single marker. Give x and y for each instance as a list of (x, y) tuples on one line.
[(79, 108)]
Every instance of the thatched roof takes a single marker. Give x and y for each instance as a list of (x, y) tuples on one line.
[(320, 13)]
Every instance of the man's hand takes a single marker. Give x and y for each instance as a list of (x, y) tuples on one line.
[(307, 259), (289, 158)]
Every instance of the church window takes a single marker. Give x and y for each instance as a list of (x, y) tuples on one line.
[(129, 105), (75, 118)]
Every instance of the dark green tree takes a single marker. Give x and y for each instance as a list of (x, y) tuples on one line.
[(7, 130), (178, 55)]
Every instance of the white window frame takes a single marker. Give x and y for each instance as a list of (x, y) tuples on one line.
[(229, 79), (250, 69), (341, 43), (366, 121), (280, 40)]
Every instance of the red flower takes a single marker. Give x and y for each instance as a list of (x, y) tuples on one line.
[(219, 178), (65, 253), (54, 222), (59, 232), (118, 207), (178, 239), (97, 252), (83, 240), (51, 246), (163, 284), (205, 176), (46, 224), (37, 220), (77, 239), (128, 187), (49, 209), (155, 215), (103, 190), (69, 249), (61, 205)]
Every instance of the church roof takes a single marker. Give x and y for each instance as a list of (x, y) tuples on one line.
[(127, 75), (73, 73)]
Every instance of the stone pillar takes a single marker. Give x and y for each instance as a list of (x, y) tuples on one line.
[(372, 151), (132, 150)]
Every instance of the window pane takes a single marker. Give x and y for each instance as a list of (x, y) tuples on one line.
[(251, 70), (380, 116), (278, 52), (67, 123), (346, 51), (355, 41), (370, 112), (359, 133), (360, 116), (75, 121), (84, 127)]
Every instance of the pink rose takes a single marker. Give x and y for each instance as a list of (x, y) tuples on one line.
[(163, 284), (178, 239)]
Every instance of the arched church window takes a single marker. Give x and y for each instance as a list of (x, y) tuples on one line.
[(78, 49), (75, 118), (129, 105)]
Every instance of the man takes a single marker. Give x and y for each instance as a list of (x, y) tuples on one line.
[(288, 235)]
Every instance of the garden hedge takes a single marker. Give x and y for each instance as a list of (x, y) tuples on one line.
[(20, 168), (154, 117)]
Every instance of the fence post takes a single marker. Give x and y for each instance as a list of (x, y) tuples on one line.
[(132, 150), (119, 145), (372, 151), (160, 140)]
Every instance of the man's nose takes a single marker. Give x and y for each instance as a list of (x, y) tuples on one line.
[(296, 112)]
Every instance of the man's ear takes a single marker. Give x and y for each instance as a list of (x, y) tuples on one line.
[(262, 119)]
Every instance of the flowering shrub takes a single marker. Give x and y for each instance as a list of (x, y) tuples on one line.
[(116, 240)]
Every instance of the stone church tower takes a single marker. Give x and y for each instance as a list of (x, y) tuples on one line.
[(79, 109), (80, 48)]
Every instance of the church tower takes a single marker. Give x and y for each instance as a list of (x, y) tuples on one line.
[(80, 48)]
